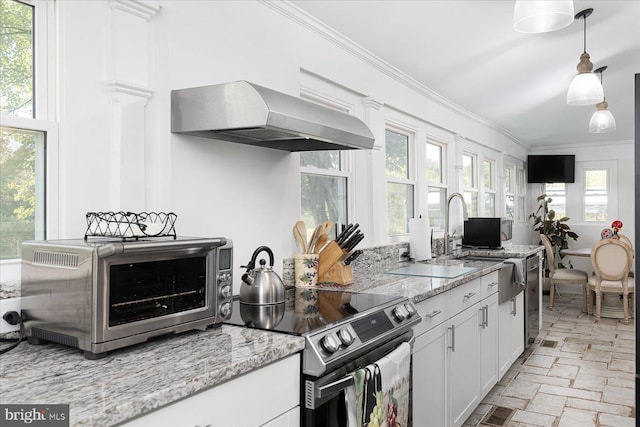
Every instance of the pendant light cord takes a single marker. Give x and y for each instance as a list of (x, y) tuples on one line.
[(585, 33)]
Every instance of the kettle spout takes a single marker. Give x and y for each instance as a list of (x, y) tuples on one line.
[(248, 279)]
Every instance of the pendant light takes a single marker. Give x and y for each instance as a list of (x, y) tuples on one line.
[(602, 120), (542, 16), (585, 88)]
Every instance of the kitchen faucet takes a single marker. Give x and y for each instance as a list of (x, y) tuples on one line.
[(446, 219)]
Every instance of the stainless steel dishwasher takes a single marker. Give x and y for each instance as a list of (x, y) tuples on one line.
[(531, 300)]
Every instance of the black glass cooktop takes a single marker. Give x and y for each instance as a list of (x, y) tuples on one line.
[(306, 310)]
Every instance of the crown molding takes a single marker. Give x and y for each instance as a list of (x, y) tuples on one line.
[(142, 9), (310, 22), (118, 86)]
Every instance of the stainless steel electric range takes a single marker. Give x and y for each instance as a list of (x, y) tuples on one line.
[(344, 331)]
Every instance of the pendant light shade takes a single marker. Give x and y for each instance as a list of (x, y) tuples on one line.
[(602, 120), (585, 88), (541, 16)]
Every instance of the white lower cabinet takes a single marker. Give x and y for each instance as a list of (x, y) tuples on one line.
[(267, 397), (511, 332), (455, 361)]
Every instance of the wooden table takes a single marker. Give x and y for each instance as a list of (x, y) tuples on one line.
[(611, 305)]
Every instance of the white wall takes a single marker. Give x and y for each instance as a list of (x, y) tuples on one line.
[(118, 63), (622, 154)]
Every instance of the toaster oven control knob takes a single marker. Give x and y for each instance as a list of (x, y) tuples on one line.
[(225, 309), (400, 313), (226, 292), (410, 309), (224, 277), (346, 337), (330, 343)]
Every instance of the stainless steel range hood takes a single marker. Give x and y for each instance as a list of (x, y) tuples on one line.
[(250, 114)]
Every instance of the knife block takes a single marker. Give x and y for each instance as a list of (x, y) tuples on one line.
[(338, 274), (328, 257)]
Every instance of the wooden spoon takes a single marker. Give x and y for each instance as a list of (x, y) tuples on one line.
[(300, 233)]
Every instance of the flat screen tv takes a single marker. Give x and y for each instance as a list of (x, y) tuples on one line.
[(551, 168)]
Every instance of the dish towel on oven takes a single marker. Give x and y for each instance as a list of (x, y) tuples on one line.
[(518, 269), (392, 396), (354, 397)]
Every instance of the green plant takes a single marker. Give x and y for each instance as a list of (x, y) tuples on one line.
[(556, 229)]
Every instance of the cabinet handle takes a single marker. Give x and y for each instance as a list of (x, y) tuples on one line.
[(492, 284), (483, 317), (469, 295), (486, 310), (433, 314), (453, 338), (513, 304)]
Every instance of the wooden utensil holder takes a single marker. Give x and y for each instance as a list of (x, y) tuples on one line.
[(338, 274)]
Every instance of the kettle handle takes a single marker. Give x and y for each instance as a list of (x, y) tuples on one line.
[(252, 263)]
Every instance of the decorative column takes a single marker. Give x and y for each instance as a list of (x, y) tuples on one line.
[(130, 67), (375, 184)]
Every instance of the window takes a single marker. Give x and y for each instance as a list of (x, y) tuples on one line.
[(558, 193), (596, 190), (470, 185), (509, 196), (521, 195), (24, 133), (436, 184), (489, 187), (400, 185)]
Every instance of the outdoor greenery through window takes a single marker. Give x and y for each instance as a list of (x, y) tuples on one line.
[(323, 189), (488, 171), (399, 183), (470, 183), (436, 184), (21, 149), (595, 194), (509, 196), (557, 191)]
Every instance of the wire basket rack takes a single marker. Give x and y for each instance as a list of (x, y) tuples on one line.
[(130, 225)]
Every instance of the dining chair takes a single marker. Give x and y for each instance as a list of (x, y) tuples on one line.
[(625, 239), (564, 276), (612, 260)]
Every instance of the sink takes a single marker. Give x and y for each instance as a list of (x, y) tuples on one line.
[(433, 270)]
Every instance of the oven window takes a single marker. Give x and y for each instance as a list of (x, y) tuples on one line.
[(145, 290)]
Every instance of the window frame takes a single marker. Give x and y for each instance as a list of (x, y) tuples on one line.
[(444, 183), (41, 121), (410, 180), (475, 177), (611, 166)]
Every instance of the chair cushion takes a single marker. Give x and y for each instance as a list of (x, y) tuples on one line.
[(570, 274), (612, 285)]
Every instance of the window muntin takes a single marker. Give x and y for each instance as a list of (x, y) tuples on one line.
[(596, 191), (400, 182)]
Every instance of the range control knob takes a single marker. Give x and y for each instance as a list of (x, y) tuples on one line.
[(400, 313), (226, 292), (345, 337), (410, 309), (330, 343), (225, 309)]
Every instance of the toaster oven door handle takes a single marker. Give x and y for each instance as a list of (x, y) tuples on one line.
[(146, 246)]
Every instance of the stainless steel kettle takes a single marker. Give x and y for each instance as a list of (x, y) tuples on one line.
[(261, 285)]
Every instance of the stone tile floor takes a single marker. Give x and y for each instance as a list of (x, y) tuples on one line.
[(588, 379)]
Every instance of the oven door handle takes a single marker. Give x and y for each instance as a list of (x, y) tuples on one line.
[(344, 382), (332, 388)]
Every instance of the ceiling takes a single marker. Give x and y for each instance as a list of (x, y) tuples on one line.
[(469, 53)]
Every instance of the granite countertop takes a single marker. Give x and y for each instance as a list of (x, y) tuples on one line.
[(138, 379), (418, 289)]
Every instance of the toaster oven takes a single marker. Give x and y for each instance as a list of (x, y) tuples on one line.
[(103, 294)]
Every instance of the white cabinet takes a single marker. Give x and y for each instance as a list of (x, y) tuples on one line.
[(464, 363), (489, 345), (455, 355), (430, 388), (511, 332), (243, 401)]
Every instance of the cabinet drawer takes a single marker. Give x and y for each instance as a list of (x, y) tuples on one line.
[(489, 284), (433, 312), (464, 296)]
